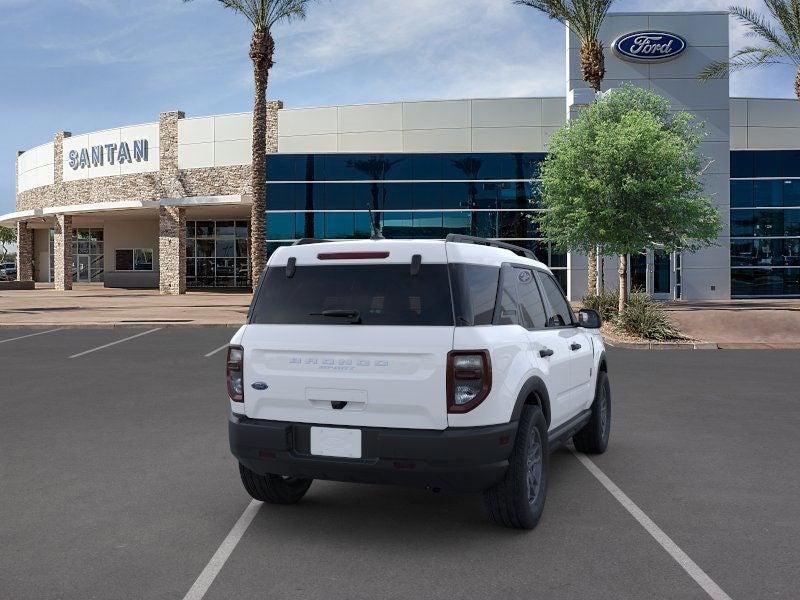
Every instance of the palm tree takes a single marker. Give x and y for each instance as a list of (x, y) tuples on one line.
[(584, 19), (263, 15), (780, 42)]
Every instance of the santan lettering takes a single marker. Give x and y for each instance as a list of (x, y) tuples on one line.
[(97, 156), (644, 44)]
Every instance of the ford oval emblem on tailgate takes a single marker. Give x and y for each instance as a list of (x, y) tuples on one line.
[(259, 385)]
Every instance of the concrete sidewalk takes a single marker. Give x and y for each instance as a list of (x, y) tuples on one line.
[(93, 305), (740, 323)]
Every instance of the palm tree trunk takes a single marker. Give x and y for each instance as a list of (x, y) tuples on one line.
[(261, 52), (593, 67), (593, 70), (591, 282), (623, 282), (797, 84)]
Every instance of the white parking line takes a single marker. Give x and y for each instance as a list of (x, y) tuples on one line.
[(22, 337), (115, 343), (213, 352), (695, 572), (214, 566)]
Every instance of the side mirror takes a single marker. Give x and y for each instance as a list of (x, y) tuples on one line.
[(590, 319)]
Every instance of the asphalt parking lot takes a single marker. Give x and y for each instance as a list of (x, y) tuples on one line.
[(116, 482)]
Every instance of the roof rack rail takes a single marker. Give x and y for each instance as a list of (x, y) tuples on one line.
[(305, 241), (469, 239)]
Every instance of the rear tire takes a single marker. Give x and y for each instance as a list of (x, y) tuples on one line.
[(593, 437), (518, 500), (273, 489)]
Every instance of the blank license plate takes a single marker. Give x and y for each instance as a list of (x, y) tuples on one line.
[(334, 441)]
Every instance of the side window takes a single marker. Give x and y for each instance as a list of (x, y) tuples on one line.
[(561, 314), (530, 300), (506, 309)]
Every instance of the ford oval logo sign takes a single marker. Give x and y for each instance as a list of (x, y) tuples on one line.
[(649, 46)]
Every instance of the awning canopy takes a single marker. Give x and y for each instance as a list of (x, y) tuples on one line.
[(11, 219)]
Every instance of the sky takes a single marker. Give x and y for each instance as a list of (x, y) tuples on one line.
[(86, 65)]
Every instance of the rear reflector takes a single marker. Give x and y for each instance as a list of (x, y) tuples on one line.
[(351, 255)]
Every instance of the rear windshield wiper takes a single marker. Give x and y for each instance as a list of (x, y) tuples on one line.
[(353, 315)]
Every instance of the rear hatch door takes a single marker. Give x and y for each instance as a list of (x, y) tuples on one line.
[(351, 341)]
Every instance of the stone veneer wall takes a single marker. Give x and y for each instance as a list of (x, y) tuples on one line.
[(24, 252), (169, 182), (62, 250), (172, 250)]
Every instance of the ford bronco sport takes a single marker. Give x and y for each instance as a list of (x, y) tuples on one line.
[(455, 365)]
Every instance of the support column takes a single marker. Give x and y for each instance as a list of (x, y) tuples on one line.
[(171, 250), (24, 252), (62, 250)]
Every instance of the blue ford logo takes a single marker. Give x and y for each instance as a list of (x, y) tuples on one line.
[(649, 46)]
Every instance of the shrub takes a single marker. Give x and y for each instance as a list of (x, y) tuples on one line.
[(605, 303), (646, 318)]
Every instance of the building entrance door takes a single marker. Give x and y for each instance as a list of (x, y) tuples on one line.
[(652, 272), (83, 269)]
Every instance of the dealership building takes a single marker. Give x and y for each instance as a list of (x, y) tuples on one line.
[(167, 204)]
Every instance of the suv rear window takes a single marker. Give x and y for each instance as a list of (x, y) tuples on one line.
[(378, 294)]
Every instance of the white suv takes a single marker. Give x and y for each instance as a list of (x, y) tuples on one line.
[(454, 365)]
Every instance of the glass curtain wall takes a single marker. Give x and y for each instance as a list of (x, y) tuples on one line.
[(765, 223), (411, 195), (217, 254)]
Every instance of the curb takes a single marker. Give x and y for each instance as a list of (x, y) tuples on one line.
[(662, 345)]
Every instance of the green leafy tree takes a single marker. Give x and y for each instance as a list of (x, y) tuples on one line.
[(626, 175), (263, 15), (778, 40), (584, 19), (8, 236)]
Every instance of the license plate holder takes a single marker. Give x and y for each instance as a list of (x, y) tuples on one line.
[(338, 442)]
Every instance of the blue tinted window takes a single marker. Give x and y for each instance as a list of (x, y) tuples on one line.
[(339, 225), (363, 228), (790, 163), (400, 196), (426, 195), (742, 164), (311, 196), (791, 192), (309, 225), (765, 282), (340, 196), (484, 224), (457, 222), (426, 166), (742, 223), (741, 194), (282, 196), (791, 223), (428, 224), (281, 167), (768, 193), (280, 226), (399, 225), (768, 163), (455, 195)]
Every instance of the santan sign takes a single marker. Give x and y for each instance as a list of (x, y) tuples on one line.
[(97, 156), (649, 46)]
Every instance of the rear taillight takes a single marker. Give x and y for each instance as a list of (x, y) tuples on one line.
[(469, 379), (235, 373)]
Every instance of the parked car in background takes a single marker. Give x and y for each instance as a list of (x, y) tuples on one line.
[(454, 365), (8, 271)]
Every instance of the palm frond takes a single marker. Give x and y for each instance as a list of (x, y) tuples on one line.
[(263, 14), (583, 17), (759, 26), (746, 58)]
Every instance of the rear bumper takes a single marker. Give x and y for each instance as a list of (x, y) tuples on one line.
[(461, 460)]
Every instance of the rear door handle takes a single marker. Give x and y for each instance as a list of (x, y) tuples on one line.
[(545, 353), (575, 346)]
